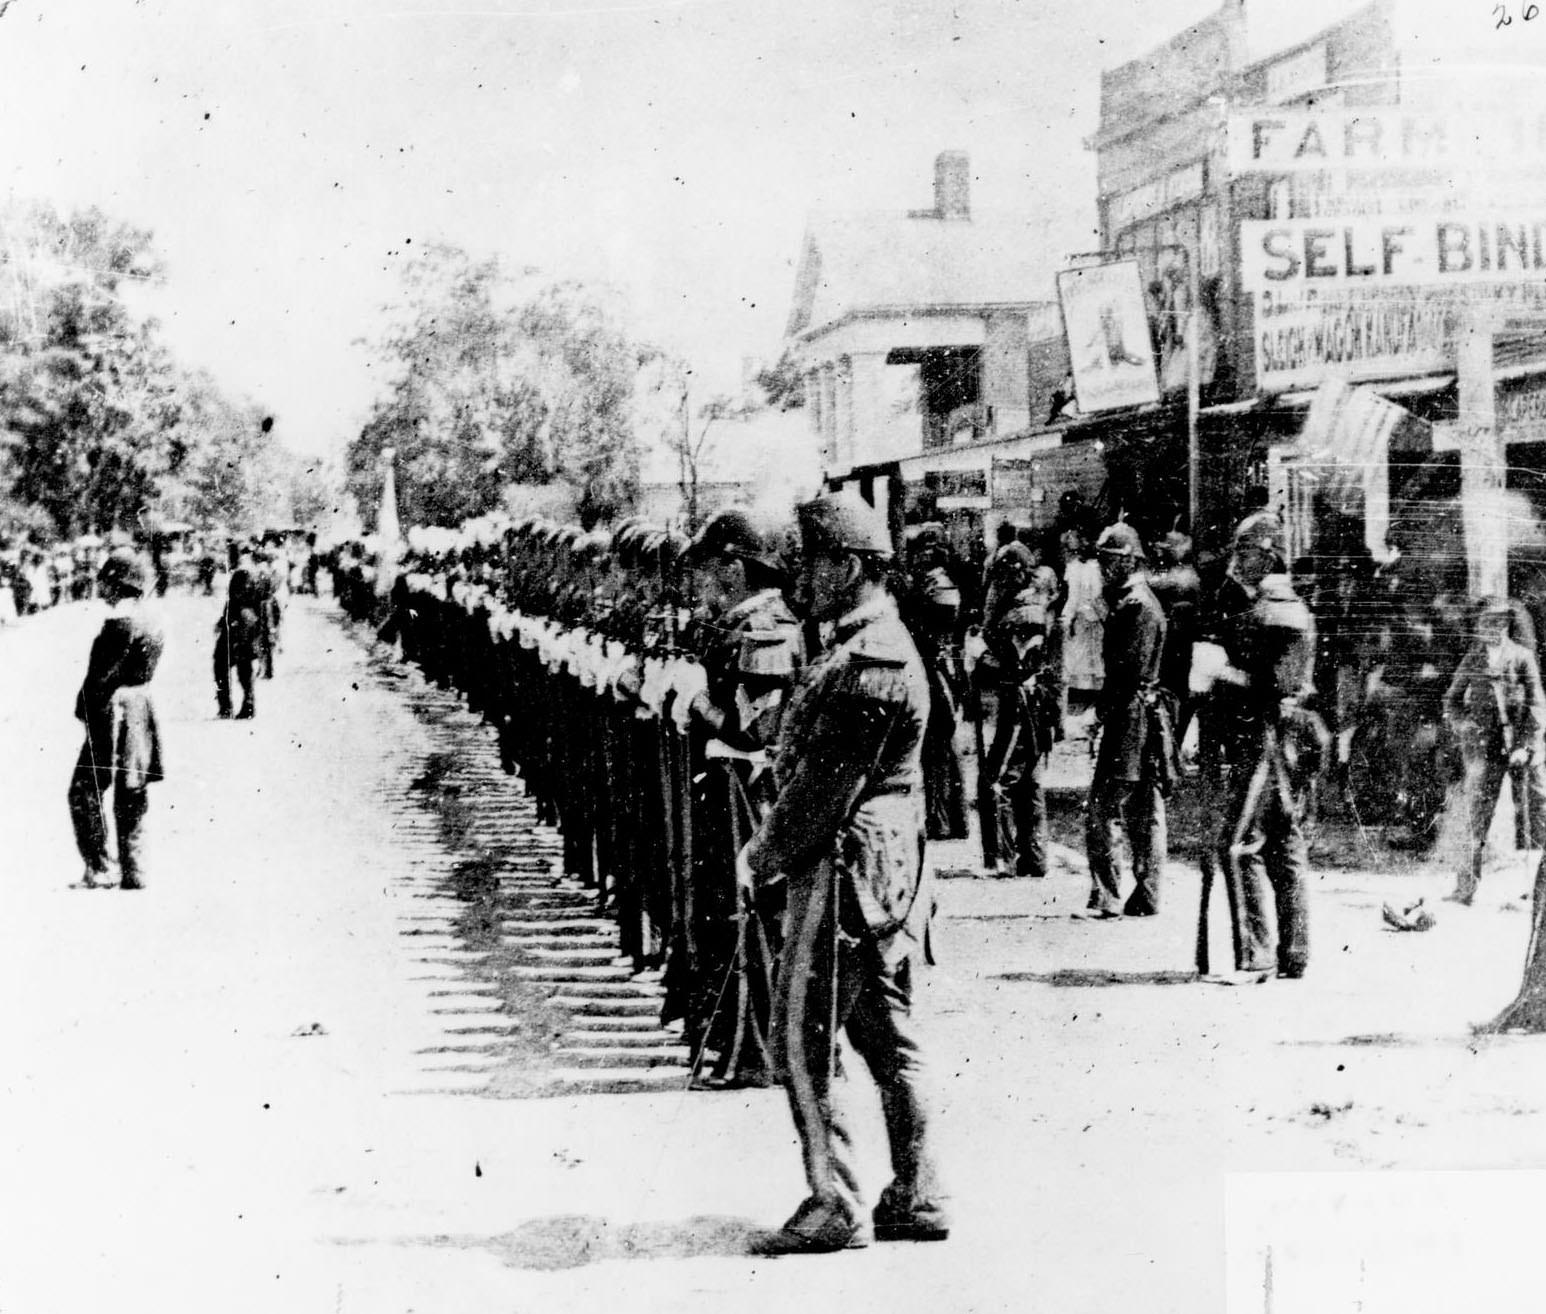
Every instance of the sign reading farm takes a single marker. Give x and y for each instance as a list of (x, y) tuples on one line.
[(1290, 141)]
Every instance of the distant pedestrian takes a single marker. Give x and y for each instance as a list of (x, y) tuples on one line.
[(239, 639), (1084, 621), (1496, 705), (121, 755)]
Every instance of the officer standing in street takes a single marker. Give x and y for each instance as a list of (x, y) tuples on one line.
[(1270, 644), (1497, 708), (121, 754), (1133, 762), (752, 656), (846, 836)]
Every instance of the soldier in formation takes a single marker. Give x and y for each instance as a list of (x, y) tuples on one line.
[(845, 838)]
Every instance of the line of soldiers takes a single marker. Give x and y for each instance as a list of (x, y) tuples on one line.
[(751, 812), (641, 727)]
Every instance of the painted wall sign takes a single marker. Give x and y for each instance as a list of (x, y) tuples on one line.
[(1418, 251), (1155, 196), (1302, 335), (1289, 141), (1297, 74)]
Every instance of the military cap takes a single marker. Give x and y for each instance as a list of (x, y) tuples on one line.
[(732, 532), (1120, 539), (124, 572), (845, 526), (1260, 529)]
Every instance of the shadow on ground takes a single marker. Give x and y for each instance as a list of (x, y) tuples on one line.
[(575, 1240), (1083, 978)]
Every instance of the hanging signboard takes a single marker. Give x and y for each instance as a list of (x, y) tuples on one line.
[(1108, 336)]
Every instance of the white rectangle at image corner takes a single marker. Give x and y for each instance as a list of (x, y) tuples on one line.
[(1382, 1242)]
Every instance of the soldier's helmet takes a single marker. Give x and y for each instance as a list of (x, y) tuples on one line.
[(1261, 529), (838, 525), (1121, 540), (736, 533), (122, 573)]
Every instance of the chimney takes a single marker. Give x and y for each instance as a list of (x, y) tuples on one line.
[(952, 185)]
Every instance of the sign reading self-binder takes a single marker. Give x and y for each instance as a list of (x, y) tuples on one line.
[(1416, 250)]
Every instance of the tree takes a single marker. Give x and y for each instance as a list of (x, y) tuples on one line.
[(1528, 1011), (493, 388), (588, 367), (464, 410), (783, 383), (99, 429), (688, 441)]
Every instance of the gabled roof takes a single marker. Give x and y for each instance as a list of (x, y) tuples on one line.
[(878, 261)]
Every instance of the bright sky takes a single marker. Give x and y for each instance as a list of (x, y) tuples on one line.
[(288, 154)]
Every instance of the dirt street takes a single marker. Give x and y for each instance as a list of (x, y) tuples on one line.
[(252, 1087)]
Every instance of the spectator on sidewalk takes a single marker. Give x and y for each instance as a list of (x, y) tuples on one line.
[(122, 749), (1013, 808), (1496, 705), (1084, 621)]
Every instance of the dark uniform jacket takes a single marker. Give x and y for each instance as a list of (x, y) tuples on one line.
[(1272, 643), (1133, 648), (849, 772), (124, 655), (240, 624), (751, 660), (1501, 697), (1179, 591)]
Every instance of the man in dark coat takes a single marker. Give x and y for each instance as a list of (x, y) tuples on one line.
[(846, 837), (931, 610), (1270, 643), (752, 656), (1028, 647), (1496, 706), (1132, 764), (121, 751), (238, 639)]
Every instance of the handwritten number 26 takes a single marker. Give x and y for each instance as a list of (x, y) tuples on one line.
[(1505, 18)]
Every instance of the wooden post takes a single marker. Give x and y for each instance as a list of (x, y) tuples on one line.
[(1482, 466)]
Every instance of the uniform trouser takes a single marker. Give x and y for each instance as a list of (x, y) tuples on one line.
[(223, 665), (1262, 847), (1485, 781), (1013, 770), (90, 784), (129, 807), (1138, 808), (867, 994)]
